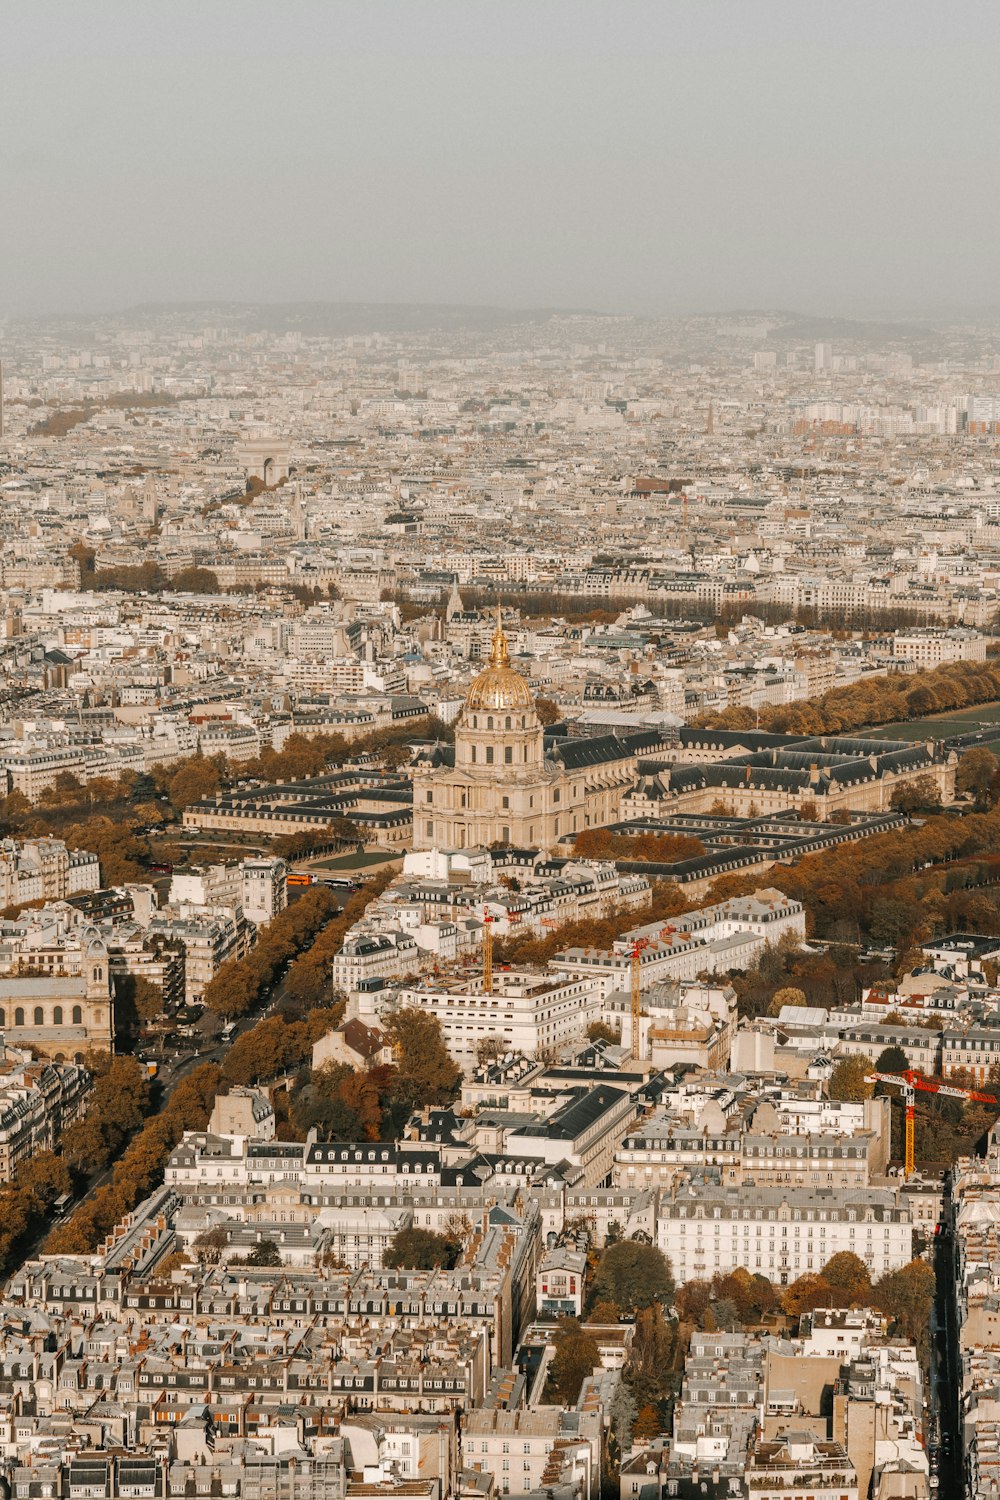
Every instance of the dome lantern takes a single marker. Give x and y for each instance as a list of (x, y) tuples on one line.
[(499, 687)]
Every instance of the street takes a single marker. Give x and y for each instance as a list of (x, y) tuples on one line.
[(945, 1372)]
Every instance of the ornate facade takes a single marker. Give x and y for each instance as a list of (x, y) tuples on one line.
[(501, 784), (61, 1010)]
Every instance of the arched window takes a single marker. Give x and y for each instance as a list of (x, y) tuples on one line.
[(57, 1019), (19, 1017), (78, 1015), (489, 722), (39, 1016), (507, 722), (3, 1016)]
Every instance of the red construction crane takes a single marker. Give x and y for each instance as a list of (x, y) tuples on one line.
[(910, 1082)]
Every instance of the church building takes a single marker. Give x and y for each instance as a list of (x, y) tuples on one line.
[(501, 783)]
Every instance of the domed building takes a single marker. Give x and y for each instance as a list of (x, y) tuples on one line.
[(500, 783)]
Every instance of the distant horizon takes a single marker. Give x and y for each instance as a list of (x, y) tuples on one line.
[(873, 314), (647, 160)]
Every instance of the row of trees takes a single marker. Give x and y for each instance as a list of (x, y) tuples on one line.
[(661, 848), (111, 1131), (738, 1299), (113, 1128), (875, 700), (852, 892), (309, 976), (241, 983), (665, 902), (142, 578)]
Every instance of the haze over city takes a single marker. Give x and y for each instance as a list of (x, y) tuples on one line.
[(648, 157)]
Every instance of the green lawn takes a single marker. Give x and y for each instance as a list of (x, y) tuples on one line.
[(942, 726)]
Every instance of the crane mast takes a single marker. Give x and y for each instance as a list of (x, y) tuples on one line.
[(637, 947), (488, 954)]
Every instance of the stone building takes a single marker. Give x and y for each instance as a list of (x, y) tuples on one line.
[(63, 1010), (501, 783)]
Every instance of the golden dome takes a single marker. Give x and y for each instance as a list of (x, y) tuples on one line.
[(499, 687)]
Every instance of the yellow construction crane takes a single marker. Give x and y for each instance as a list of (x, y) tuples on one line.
[(909, 1082), (488, 954), (637, 948)]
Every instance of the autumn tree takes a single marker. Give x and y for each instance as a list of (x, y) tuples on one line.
[(921, 794), (633, 1275), (576, 1358), (193, 780), (45, 1176), (847, 1082), (195, 581), (976, 773), (788, 995), (210, 1245), (647, 1424), (427, 1074), (907, 1296), (805, 1294), (421, 1250), (848, 1277)]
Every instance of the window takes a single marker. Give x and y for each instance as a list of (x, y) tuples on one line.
[(39, 1016), (57, 1016), (429, 828), (489, 755), (508, 755), (77, 1015), (429, 796), (19, 1016)]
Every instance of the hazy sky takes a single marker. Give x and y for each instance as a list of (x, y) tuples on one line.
[(660, 155)]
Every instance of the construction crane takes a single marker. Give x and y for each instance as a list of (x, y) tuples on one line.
[(488, 954), (637, 947), (910, 1082)]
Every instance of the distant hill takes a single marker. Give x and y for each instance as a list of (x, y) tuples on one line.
[(339, 319), (798, 328)]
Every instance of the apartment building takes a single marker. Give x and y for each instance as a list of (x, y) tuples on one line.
[(780, 1233)]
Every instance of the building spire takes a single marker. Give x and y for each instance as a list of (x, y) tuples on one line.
[(499, 653)]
